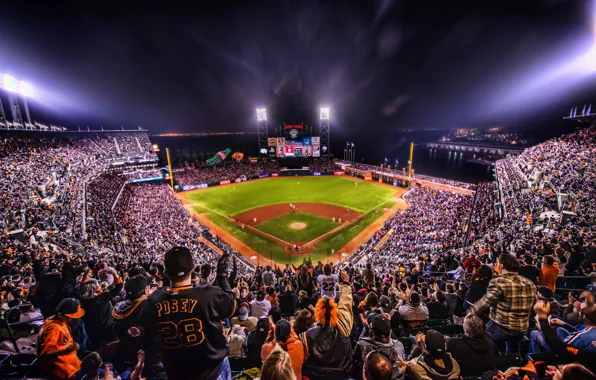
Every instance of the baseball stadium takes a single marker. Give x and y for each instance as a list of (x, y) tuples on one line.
[(312, 190)]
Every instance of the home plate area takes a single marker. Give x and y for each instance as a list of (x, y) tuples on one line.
[(298, 226)]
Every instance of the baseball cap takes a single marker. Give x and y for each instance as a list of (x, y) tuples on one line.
[(435, 343), (385, 302), (135, 286), (381, 326), (70, 307), (243, 312), (178, 262)]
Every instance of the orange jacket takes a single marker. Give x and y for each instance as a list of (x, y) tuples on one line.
[(295, 350), (55, 335), (548, 276)]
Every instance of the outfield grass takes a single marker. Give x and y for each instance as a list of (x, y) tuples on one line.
[(280, 227), (340, 191)]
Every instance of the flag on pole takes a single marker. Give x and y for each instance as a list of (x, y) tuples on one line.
[(386, 160), (352, 145), (574, 111), (571, 112), (584, 111), (588, 111)]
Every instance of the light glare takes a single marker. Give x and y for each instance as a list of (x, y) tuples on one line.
[(324, 113), (26, 89), (10, 83), (261, 114)]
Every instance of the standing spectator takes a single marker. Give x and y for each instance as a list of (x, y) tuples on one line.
[(304, 301), (127, 321), (288, 301), (236, 340), (278, 366), (254, 343), (260, 307), (548, 273), (510, 298), (328, 348), (57, 351), (286, 338), (474, 353), (529, 270), (96, 302), (268, 276), (198, 316), (368, 274)]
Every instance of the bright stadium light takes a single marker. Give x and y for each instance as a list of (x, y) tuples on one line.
[(261, 114), (26, 89), (9, 83), (324, 113)]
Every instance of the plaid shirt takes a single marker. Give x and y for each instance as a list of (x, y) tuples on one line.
[(510, 298)]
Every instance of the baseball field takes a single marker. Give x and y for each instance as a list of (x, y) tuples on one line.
[(286, 219)]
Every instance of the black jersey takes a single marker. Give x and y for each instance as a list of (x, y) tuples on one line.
[(187, 322)]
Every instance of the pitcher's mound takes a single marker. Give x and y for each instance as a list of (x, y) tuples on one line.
[(298, 226)]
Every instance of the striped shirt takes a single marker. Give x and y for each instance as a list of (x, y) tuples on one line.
[(510, 298)]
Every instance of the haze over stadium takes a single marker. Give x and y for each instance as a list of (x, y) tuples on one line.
[(298, 190)]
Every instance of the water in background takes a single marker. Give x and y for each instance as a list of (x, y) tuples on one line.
[(370, 147)]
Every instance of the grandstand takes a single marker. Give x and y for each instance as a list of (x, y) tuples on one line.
[(81, 208)]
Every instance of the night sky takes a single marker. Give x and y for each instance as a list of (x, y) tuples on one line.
[(391, 64)]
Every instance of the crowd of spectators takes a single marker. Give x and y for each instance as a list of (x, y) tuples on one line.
[(447, 288), (402, 172), (228, 171)]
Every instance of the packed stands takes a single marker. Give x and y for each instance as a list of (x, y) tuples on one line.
[(447, 288)]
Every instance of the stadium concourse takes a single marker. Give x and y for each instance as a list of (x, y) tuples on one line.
[(453, 286)]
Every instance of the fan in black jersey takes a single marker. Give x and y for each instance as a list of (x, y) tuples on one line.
[(187, 321)]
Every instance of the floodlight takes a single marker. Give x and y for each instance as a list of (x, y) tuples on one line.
[(261, 114), (26, 89), (324, 113), (9, 83)]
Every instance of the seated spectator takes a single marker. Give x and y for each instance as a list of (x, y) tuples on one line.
[(414, 310), (57, 350), (438, 307), (434, 362), (381, 341), (377, 366), (245, 320), (260, 307), (236, 340), (474, 353)]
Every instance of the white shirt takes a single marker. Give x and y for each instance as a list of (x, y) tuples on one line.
[(327, 284)]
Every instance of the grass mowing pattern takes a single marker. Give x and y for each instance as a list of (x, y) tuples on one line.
[(340, 191), (280, 227), (340, 238)]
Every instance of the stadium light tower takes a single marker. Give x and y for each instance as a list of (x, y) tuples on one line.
[(11, 85), (324, 129), (262, 129)]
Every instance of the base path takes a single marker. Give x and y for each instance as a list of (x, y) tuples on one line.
[(265, 213)]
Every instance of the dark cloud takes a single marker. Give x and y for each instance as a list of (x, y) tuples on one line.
[(206, 66)]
